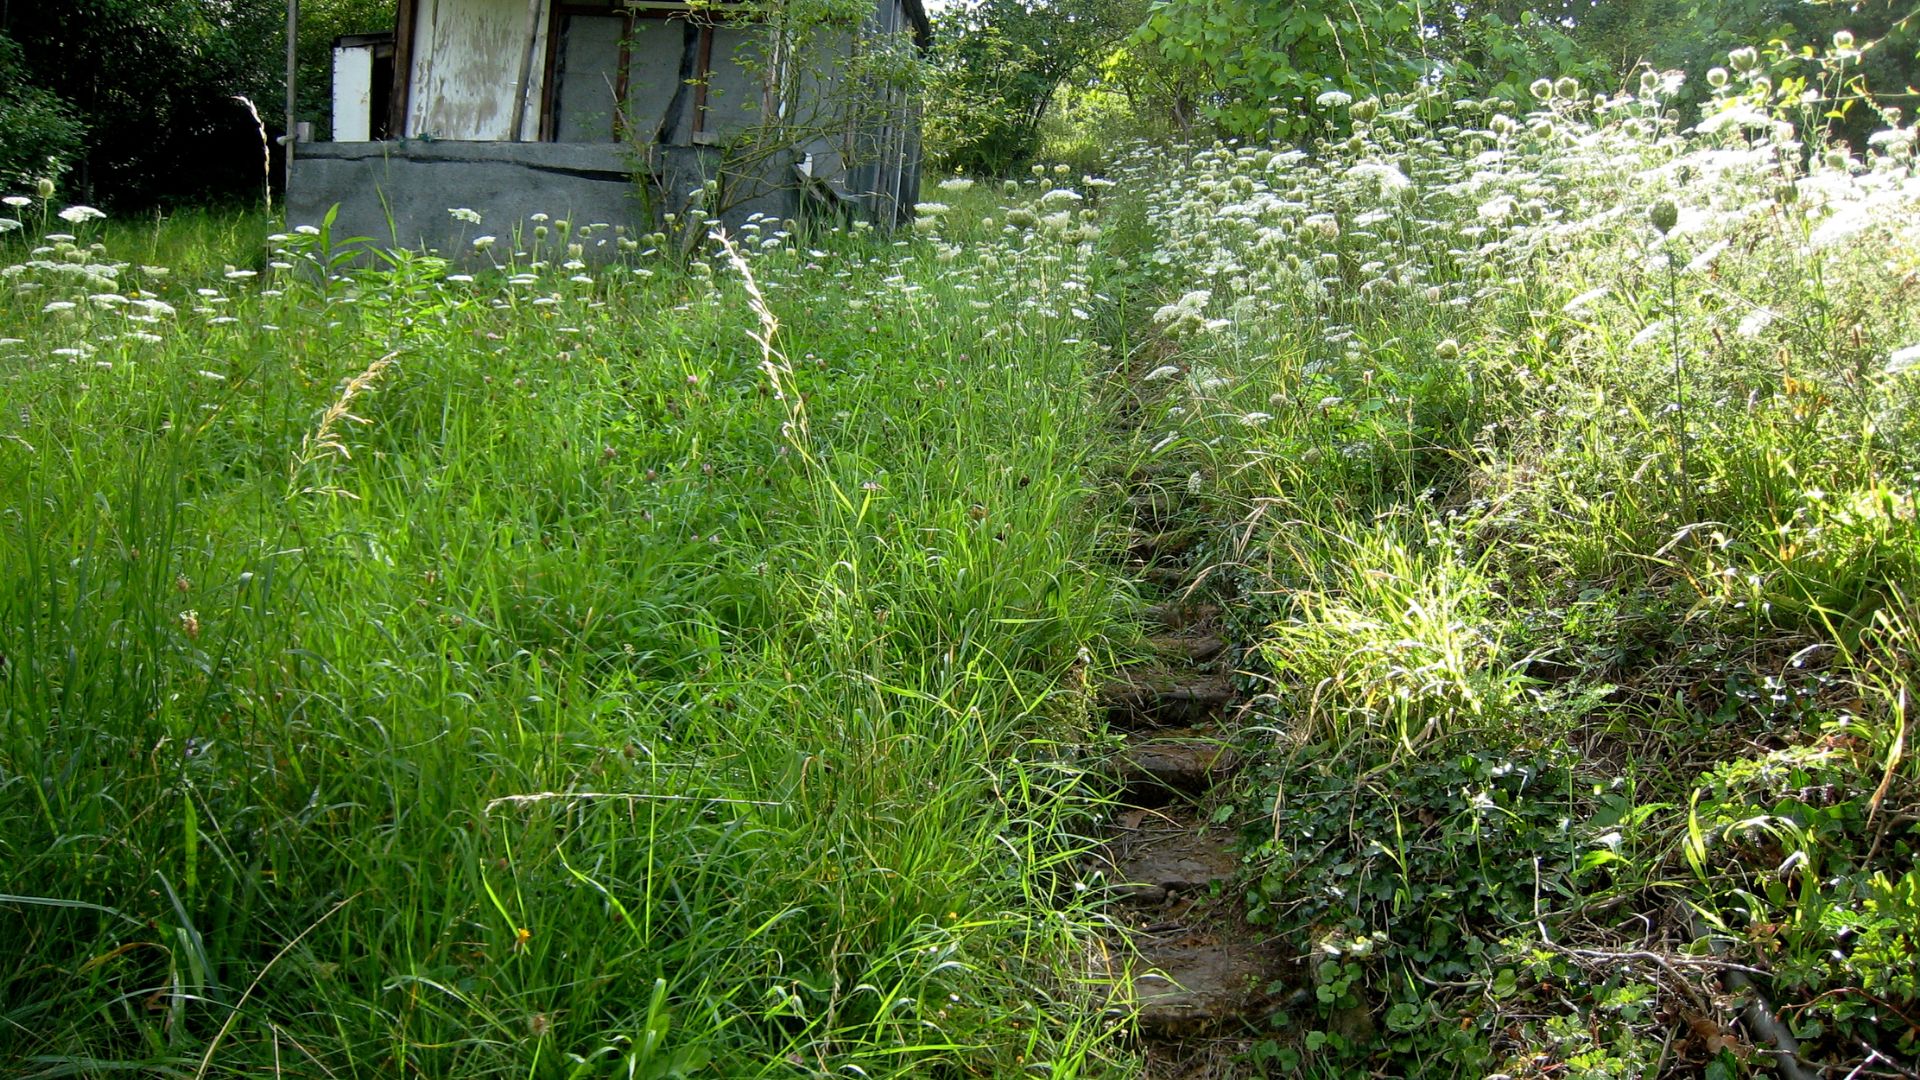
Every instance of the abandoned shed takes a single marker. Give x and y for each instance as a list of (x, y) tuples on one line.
[(616, 111)]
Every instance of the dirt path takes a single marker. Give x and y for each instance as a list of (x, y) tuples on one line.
[(1198, 974)]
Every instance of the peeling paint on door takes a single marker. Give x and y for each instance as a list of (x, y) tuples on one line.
[(469, 55)]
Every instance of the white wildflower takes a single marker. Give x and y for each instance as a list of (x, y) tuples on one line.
[(1579, 304), (1334, 99), (1326, 225), (18, 202), (1739, 116), (1497, 209), (1705, 260), (1841, 226), (957, 183), (1756, 322), (462, 213), (1386, 176), (1192, 304), (80, 215), (1892, 139)]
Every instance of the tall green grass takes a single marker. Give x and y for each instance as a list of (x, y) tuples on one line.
[(416, 671)]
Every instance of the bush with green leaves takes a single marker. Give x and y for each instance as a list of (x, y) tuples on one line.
[(1563, 459), (39, 132)]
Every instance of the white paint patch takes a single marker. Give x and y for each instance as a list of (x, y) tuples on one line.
[(353, 93)]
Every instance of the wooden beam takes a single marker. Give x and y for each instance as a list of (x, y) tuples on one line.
[(701, 80), (406, 14), (621, 80), (293, 68), (524, 85)]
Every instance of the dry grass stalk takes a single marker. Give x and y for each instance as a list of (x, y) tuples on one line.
[(773, 361), (327, 437)]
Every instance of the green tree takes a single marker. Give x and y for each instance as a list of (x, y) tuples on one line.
[(39, 133), (998, 66), (1267, 65), (153, 81)]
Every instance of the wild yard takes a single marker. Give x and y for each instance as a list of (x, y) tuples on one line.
[(566, 660)]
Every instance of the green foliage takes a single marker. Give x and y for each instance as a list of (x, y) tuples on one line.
[(1270, 67), (39, 133), (999, 65), (522, 671), (152, 83), (1487, 56), (1562, 469), (1786, 34), (1088, 128)]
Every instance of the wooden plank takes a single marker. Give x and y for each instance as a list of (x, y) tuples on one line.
[(549, 93), (620, 80), (406, 14), (704, 77), (521, 88)]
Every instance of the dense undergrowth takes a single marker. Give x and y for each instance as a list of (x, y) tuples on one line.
[(408, 671), (520, 669), (1562, 471)]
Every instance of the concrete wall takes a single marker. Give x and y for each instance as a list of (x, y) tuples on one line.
[(398, 193), (586, 74), (735, 92), (655, 53)]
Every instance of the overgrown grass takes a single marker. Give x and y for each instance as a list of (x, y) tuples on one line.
[(1562, 472), (528, 670), (524, 672)]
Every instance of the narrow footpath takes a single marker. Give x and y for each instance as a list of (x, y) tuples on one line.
[(1183, 954)]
